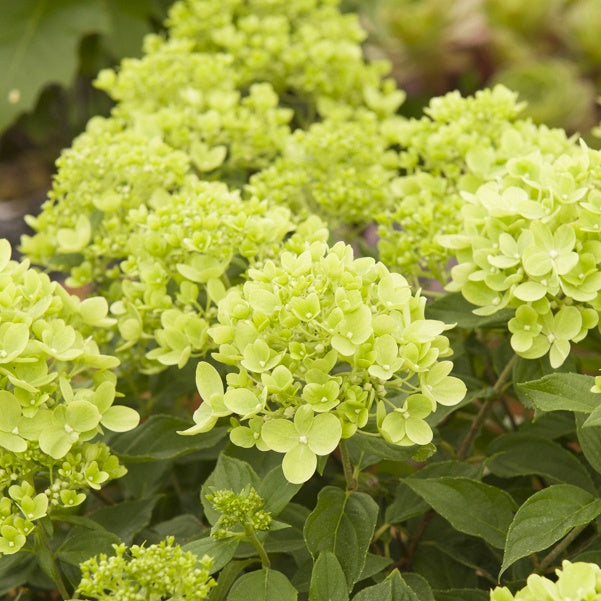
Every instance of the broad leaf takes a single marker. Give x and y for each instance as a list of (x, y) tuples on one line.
[(393, 588), (84, 542), (39, 42), (589, 439), (558, 391), (328, 582), (220, 550), (125, 519), (343, 523), (157, 438), (521, 455), (462, 594), (277, 491), (546, 517), (263, 585), (469, 505)]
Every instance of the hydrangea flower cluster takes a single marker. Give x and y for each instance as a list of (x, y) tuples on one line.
[(320, 342), (57, 393), (530, 241), (338, 169), (241, 513), (578, 581), (204, 102), (460, 144), (153, 573)]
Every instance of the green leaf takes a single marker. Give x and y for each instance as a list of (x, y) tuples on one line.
[(562, 391), (83, 542), (125, 519), (594, 419), (393, 588), (328, 582), (517, 454), (589, 439), (15, 571), (263, 585), (419, 585), (453, 308), (221, 550), (343, 523), (367, 450), (277, 491), (546, 517), (227, 577), (39, 42), (490, 508), (374, 564), (157, 438)]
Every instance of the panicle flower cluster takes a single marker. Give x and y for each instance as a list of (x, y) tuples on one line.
[(153, 573), (56, 393), (241, 513), (530, 241), (578, 581), (339, 169), (321, 341), (203, 102), (185, 249), (460, 144)]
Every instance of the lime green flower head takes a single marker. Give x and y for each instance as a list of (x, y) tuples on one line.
[(460, 144), (161, 571), (530, 241), (319, 341), (56, 393), (575, 582)]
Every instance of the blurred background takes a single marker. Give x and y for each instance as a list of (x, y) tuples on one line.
[(50, 52)]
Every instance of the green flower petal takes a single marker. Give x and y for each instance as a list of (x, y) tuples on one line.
[(299, 464), (325, 433), (279, 435), (418, 431)]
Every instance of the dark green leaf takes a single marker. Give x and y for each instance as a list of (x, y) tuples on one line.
[(221, 550), (517, 454), (568, 392), (546, 517), (393, 588), (367, 450), (83, 543), (15, 570), (453, 308), (125, 519), (328, 582), (374, 564), (407, 504), (263, 585), (157, 439), (590, 441), (344, 523), (227, 577), (470, 506), (39, 42), (420, 586), (277, 491)]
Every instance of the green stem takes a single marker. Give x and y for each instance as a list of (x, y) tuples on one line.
[(256, 543), (484, 409), (347, 466), (559, 548), (46, 558)]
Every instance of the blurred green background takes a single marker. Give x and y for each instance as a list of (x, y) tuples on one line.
[(50, 51)]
